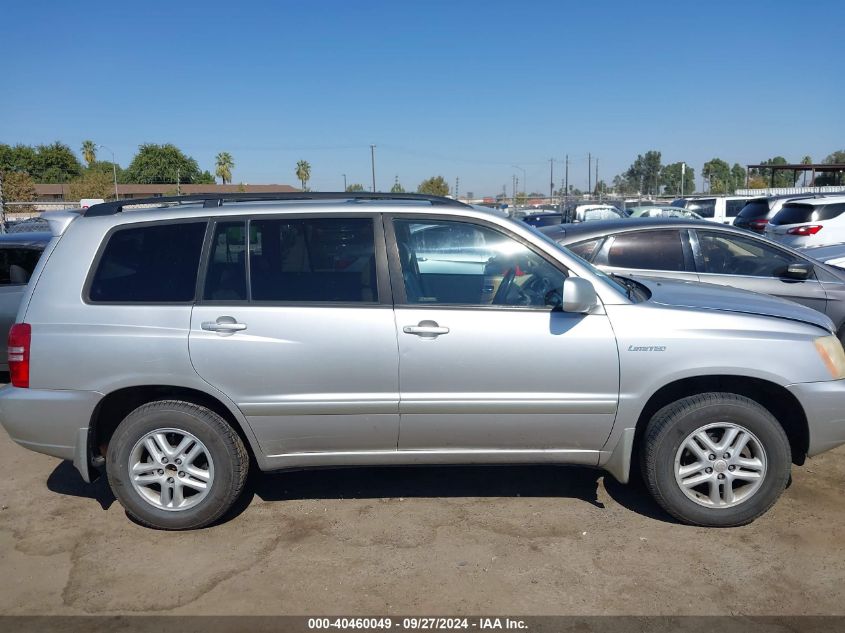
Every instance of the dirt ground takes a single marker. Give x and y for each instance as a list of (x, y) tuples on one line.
[(515, 540)]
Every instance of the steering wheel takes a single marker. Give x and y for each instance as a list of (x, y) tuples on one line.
[(502, 291)]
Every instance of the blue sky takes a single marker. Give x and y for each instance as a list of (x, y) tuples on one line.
[(459, 89)]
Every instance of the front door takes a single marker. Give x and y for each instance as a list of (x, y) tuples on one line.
[(488, 361), (296, 326), (648, 253)]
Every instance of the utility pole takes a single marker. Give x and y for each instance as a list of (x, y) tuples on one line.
[(683, 177), (113, 168), (344, 182), (178, 183), (551, 179), (457, 182), (2, 206), (373, 164), (515, 184), (589, 174), (597, 177), (566, 179)]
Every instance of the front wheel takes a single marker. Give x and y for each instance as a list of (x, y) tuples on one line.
[(175, 465), (715, 459)]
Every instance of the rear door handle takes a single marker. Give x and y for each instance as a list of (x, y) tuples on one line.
[(223, 325), (426, 329)]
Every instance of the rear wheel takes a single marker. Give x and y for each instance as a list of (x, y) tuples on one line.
[(715, 459), (175, 465)]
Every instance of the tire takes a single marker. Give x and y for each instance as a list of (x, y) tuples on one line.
[(187, 486), (676, 457)]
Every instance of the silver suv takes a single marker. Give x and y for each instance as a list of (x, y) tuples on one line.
[(176, 346)]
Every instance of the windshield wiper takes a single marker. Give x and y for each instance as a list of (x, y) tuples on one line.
[(630, 285)]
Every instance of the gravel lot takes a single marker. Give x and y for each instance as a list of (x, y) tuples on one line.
[(516, 540)]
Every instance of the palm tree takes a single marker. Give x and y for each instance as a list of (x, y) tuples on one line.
[(89, 152), (225, 165), (303, 172)]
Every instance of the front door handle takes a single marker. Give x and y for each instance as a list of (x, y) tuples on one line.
[(426, 329), (223, 325)]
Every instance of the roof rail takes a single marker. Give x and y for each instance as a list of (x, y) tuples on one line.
[(217, 199)]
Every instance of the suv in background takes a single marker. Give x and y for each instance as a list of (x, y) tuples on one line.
[(19, 254), (757, 212), (714, 208), (177, 346), (812, 222)]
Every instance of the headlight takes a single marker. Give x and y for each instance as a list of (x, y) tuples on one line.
[(831, 352)]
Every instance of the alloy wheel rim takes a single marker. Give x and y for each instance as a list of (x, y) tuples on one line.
[(171, 469), (720, 465)]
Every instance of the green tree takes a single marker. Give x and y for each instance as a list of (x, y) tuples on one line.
[(670, 179), (738, 174), (105, 167), (303, 172), (836, 158), (434, 186), (355, 186), (781, 178), (157, 164), (92, 184), (89, 154), (205, 178), (17, 158), (224, 166), (718, 174), (397, 188), (18, 186), (55, 163), (644, 173)]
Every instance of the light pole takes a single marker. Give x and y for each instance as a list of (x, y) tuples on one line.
[(344, 182), (113, 168), (373, 164)]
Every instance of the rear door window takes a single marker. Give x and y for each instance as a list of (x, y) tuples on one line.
[(794, 213), (705, 207), (735, 255), (155, 263), (733, 207), (646, 250), (17, 264), (313, 260)]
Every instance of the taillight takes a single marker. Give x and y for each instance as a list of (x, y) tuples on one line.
[(20, 337), (758, 225), (807, 229)]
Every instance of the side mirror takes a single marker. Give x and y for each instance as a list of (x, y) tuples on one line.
[(799, 270), (578, 295)]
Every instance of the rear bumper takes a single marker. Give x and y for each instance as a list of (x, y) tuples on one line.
[(824, 406), (50, 421)]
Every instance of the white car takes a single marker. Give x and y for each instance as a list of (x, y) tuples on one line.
[(723, 209), (833, 255), (813, 222)]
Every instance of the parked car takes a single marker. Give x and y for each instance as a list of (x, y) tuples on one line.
[(703, 252), (813, 222), (757, 212), (575, 213), (662, 211), (723, 209), (832, 255), (176, 346), (19, 254)]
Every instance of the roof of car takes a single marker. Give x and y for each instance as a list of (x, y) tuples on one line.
[(36, 239), (817, 201), (569, 233)]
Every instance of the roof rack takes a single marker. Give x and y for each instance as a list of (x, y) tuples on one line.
[(217, 199)]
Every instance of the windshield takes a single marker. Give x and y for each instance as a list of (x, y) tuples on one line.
[(583, 262)]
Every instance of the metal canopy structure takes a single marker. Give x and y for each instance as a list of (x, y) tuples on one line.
[(836, 169)]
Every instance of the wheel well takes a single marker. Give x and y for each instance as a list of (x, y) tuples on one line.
[(117, 405), (777, 400)]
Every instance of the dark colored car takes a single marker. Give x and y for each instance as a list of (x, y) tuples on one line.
[(757, 212), (702, 251), (19, 254)]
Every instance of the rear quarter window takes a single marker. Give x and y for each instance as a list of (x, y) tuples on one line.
[(755, 209), (17, 264), (149, 264), (794, 214)]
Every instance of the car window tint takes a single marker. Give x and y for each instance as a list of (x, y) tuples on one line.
[(314, 259), (733, 207), (705, 207), (648, 250), (459, 263), (830, 211), (734, 255), (584, 250), (154, 263), (17, 264), (225, 279), (793, 213), (757, 208)]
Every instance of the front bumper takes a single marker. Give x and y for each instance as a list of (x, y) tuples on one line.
[(824, 406), (50, 421)]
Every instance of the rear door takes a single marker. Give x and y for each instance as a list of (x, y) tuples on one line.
[(296, 326), (648, 253), (754, 264)]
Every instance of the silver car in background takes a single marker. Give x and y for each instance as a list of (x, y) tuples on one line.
[(176, 346)]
